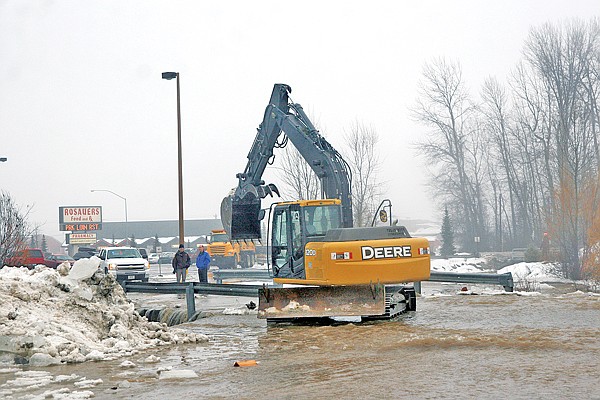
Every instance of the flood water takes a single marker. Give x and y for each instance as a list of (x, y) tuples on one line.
[(469, 346)]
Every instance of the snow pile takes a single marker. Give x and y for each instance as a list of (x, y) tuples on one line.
[(239, 311), (52, 316), (459, 265), (536, 271), (523, 271)]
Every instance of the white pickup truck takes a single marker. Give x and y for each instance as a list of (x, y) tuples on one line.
[(125, 263)]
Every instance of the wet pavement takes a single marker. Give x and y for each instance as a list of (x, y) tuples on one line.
[(484, 346)]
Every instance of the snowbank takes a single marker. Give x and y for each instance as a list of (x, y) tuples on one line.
[(536, 271), (52, 316), (459, 265), (523, 271)]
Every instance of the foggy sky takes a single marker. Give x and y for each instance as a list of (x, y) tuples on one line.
[(83, 105)]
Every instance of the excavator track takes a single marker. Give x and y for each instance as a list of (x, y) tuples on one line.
[(398, 300)]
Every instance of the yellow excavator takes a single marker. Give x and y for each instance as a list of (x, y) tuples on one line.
[(327, 268)]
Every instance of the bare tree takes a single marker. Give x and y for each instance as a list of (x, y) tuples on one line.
[(453, 149), (540, 141), (300, 181), (363, 159), (565, 58), (510, 156), (14, 229)]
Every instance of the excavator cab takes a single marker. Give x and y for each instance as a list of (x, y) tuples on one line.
[(295, 224)]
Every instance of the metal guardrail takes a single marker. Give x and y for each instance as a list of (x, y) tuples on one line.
[(232, 289), (221, 274), (505, 280), (201, 288)]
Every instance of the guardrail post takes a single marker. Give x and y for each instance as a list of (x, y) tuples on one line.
[(190, 301), (417, 286), (509, 284)]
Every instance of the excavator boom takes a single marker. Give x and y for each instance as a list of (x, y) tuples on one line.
[(240, 210)]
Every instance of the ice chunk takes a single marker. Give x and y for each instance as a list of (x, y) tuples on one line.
[(43, 360), (238, 311), (84, 293), (88, 383), (152, 359), (95, 355), (178, 374), (84, 268), (127, 364)]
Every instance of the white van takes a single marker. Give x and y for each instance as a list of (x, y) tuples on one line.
[(125, 263)]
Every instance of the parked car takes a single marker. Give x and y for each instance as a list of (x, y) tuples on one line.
[(125, 263), (82, 254), (26, 258), (55, 260), (153, 258), (166, 257)]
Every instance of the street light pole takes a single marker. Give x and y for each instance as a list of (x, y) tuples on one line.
[(118, 195), (169, 76)]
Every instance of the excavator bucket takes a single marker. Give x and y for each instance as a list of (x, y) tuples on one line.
[(321, 301), (240, 211), (240, 217)]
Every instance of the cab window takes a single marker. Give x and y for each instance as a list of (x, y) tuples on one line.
[(280, 237), (320, 219)]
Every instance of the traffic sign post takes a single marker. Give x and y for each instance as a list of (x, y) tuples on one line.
[(159, 251)]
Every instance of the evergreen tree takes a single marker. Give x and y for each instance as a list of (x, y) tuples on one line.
[(44, 244), (132, 241), (447, 249)]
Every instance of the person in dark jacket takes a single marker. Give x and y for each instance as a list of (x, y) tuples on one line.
[(202, 263), (180, 263)]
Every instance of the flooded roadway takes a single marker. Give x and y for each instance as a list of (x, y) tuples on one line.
[(484, 347)]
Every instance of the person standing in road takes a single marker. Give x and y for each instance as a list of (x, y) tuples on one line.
[(180, 263), (202, 263)]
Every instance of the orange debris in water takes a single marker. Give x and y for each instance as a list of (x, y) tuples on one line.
[(245, 363)]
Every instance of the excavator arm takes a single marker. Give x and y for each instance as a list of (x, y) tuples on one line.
[(240, 211)]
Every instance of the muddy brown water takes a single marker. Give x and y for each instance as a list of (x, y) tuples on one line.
[(483, 347)]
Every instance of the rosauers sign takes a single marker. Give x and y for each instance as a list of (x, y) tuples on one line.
[(84, 218)]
